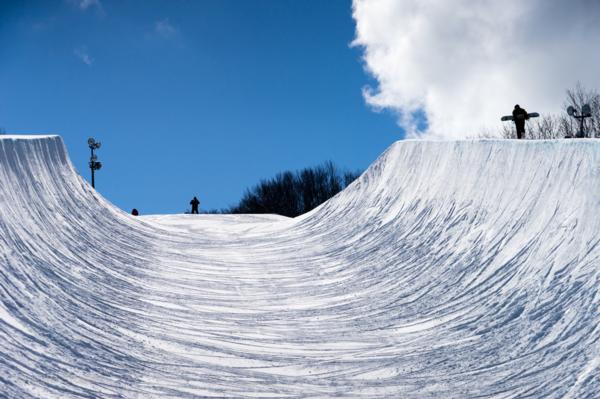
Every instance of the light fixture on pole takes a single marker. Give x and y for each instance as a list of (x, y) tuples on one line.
[(94, 163), (586, 112)]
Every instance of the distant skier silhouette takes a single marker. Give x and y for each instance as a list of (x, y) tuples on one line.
[(194, 203), (520, 116), (135, 212)]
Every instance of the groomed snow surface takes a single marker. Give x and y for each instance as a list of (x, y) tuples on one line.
[(450, 269)]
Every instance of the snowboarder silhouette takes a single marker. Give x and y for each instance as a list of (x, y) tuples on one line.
[(520, 116), (194, 202)]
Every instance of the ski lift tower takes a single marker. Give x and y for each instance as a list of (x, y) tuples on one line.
[(94, 164), (586, 112)]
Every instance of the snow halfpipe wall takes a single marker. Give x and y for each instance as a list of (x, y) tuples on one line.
[(448, 269)]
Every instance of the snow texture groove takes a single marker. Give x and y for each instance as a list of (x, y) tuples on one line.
[(449, 269)]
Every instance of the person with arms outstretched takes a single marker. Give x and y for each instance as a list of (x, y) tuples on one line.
[(194, 203)]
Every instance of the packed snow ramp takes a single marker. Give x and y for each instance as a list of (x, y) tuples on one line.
[(449, 269)]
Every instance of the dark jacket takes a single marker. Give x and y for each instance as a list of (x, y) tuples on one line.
[(520, 115)]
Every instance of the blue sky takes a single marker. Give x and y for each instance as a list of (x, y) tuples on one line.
[(190, 97)]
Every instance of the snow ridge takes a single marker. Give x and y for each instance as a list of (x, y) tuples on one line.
[(448, 269)]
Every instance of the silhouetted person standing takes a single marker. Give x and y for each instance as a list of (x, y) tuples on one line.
[(194, 202), (520, 116)]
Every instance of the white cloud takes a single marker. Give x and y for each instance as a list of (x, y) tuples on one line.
[(164, 28), (82, 54), (466, 63), (84, 5)]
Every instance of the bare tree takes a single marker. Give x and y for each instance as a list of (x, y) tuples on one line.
[(508, 131), (545, 127), (294, 193)]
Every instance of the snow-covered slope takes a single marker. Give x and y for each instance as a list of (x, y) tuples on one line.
[(448, 269)]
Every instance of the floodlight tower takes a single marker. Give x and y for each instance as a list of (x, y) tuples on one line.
[(586, 112), (94, 164)]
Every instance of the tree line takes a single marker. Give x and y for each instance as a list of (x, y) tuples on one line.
[(294, 193)]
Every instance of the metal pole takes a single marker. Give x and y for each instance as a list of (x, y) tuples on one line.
[(92, 165)]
